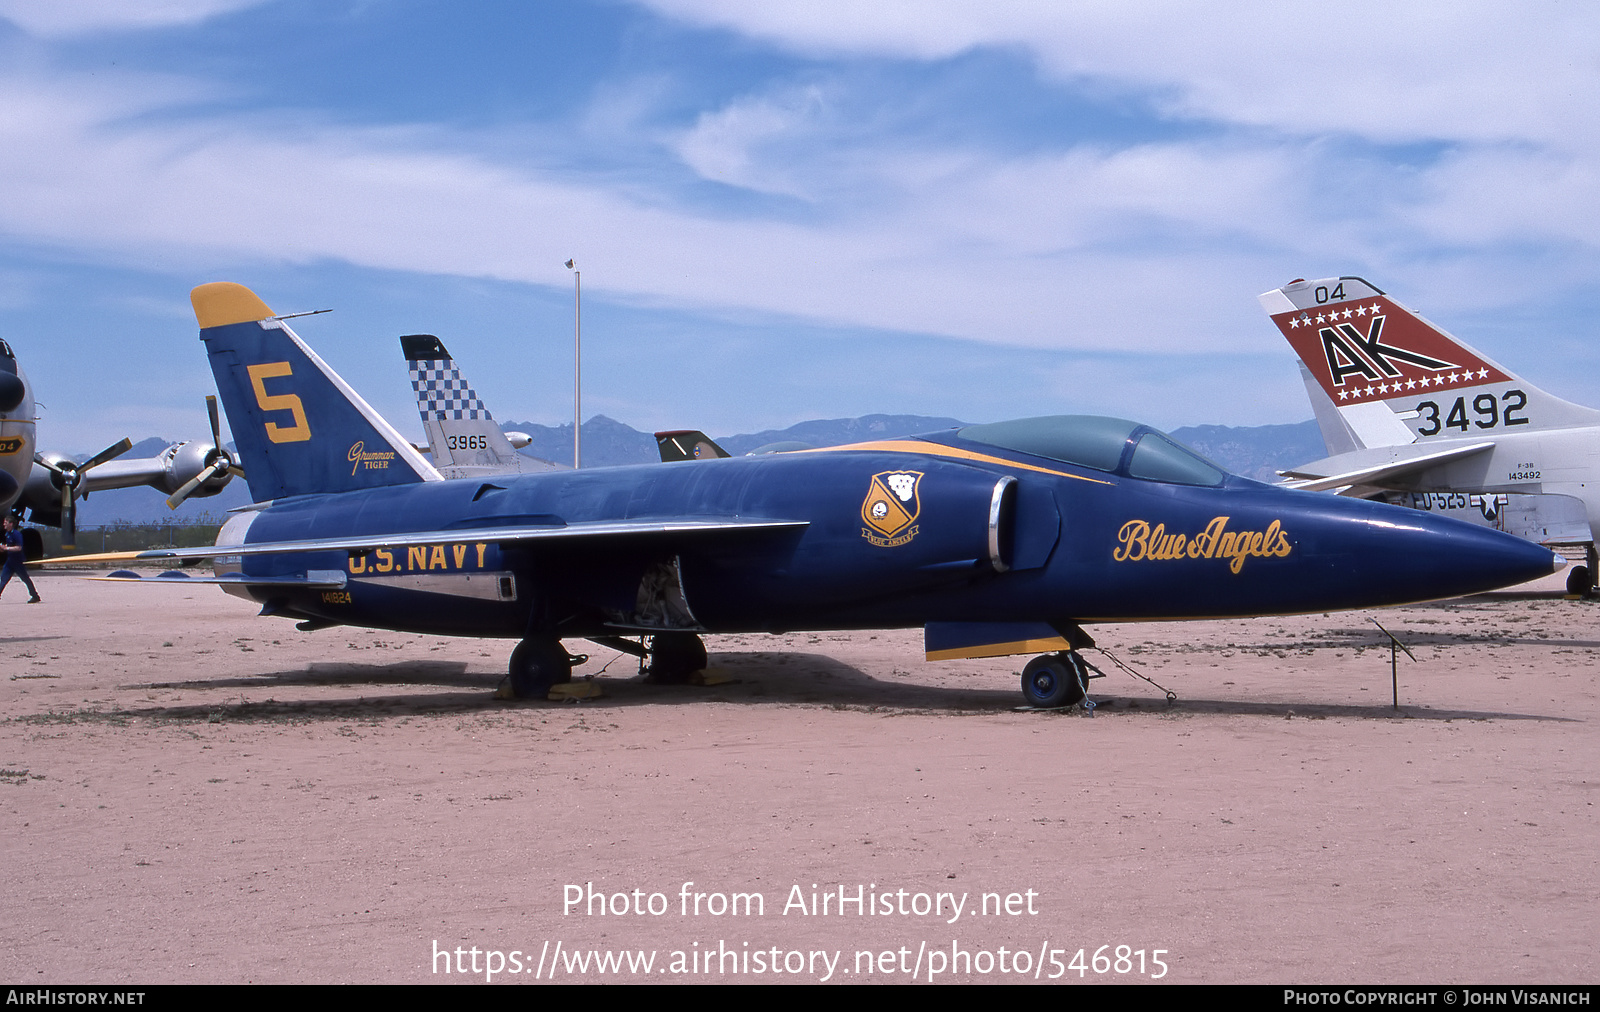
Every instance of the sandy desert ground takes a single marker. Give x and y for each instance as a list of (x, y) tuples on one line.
[(195, 794)]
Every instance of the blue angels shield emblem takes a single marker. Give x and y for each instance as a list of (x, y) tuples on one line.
[(891, 507)]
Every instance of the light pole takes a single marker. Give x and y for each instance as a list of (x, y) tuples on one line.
[(577, 364)]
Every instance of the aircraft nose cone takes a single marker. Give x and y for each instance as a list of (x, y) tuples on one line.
[(11, 391), (1409, 555), (1482, 559)]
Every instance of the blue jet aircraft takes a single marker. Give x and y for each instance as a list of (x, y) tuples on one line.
[(997, 539)]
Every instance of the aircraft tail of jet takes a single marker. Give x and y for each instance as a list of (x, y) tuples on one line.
[(463, 438), (1337, 435), (299, 427), (1391, 378), (688, 444)]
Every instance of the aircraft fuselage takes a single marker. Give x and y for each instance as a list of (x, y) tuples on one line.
[(1549, 461), (992, 537), (17, 428)]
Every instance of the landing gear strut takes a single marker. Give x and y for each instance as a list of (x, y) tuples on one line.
[(674, 656), (1580, 579), (537, 663), (1055, 680)]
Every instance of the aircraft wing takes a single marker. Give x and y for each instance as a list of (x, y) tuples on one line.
[(123, 474), (597, 529), (1377, 466), (316, 579)]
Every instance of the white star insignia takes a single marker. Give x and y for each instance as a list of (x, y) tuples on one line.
[(1369, 391), (1347, 314), (1375, 308), (1453, 377), (1293, 323), (1411, 384), (1361, 310), (1482, 373), (1343, 394), (1320, 318)]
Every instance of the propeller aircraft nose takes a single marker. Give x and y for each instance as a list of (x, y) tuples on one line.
[(12, 391)]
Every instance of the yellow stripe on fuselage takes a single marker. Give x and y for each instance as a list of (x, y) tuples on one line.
[(1046, 645), (941, 450)]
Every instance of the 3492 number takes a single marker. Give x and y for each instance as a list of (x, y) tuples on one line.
[(1488, 412)]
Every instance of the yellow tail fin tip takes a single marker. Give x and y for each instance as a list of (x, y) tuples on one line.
[(223, 302)]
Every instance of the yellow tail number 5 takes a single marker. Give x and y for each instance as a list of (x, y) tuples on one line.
[(300, 431)]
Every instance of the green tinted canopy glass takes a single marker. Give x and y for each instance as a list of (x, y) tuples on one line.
[(1101, 443)]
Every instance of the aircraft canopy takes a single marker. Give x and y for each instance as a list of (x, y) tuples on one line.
[(1115, 445)]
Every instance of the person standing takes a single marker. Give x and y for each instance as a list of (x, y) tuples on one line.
[(16, 563)]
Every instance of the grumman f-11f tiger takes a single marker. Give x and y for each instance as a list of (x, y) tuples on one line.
[(996, 539)]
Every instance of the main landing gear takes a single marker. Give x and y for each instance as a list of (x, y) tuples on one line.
[(674, 656), (538, 663), (1056, 680), (1581, 579)]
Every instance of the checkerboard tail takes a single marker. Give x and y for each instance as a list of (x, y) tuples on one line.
[(463, 438)]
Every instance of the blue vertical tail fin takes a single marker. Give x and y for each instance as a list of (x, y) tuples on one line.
[(299, 427)]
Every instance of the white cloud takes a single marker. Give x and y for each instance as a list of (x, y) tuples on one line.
[(990, 255), (1134, 248), (1512, 195), (1480, 71), (724, 145), (64, 18)]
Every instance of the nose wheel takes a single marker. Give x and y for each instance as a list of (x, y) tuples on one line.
[(1055, 680)]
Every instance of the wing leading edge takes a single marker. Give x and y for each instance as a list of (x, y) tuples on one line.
[(1377, 466)]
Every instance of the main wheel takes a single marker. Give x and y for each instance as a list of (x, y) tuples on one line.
[(537, 664), (1578, 581), (1053, 680), (674, 656)]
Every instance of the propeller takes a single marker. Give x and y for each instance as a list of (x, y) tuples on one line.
[(218, 461), (68, 476)]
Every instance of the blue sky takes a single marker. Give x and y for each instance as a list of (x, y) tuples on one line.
[(787, 211)]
